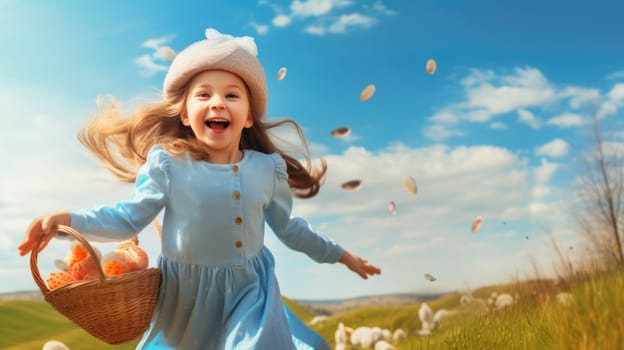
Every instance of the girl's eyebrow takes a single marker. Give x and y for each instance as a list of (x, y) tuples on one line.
[(208, 86)]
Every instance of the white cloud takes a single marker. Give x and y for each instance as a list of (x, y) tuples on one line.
[(158, 42), (580, 96), (612, 149), (444, 117), (315, 30), (606, 108), (439, 132), (615, 99), (526, 87), (498, 126), (478, 116), (353, 20), (379, 6), (154, 62), (6, 243), (316, 7), (540, 191), (321, 17), (149, 66), (477, 77), (544, 172), (489, 95), (550, 214), (525, 90), (343, 24), (436, 221), (281, 20), (432, 168), (617, 93), (529, 118), (616, 75), (555, 148), (261, 29), (567, 120)]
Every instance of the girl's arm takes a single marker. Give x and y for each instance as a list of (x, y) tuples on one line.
[(295, 232), (128, 217), (112, 223), (298, 235)]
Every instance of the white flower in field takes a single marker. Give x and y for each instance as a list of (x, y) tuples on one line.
[(363, 337), (565, 298), (398, 335), (386, 334), (54, 345), (466, 299), (503, 301), (428, 320), (318, 319), (340, 336), (383, 345)]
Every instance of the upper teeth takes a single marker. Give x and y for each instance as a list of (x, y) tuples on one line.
[(217, 120)]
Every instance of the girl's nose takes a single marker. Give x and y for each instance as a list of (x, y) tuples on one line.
[(217, 102)]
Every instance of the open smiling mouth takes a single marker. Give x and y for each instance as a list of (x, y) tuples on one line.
[(217, 124)]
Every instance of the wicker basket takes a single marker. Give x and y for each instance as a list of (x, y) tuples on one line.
[(113, 309)]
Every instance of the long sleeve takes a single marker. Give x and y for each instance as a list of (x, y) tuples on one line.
[(125, 219), (295, 232)]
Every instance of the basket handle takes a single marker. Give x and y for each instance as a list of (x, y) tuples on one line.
[(34, 268)]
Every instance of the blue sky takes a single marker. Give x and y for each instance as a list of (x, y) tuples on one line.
[(496, 131)]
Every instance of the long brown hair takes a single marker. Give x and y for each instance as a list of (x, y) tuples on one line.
[(122, 143)]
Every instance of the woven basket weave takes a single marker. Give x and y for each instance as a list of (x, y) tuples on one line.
[(113, 309)]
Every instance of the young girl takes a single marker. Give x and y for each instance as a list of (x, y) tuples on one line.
[(204, 154)]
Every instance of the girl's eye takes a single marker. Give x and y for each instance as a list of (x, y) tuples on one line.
[(203, 94), (232, 96)]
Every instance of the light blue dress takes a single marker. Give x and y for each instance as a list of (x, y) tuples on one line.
[(218, 288)]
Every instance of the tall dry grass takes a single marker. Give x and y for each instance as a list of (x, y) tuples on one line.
[(591, 320)]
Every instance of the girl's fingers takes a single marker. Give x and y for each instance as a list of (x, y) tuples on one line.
[(33, 233), (45, 243)]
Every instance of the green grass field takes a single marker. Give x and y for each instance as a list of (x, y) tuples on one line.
[(29, 324), (536, 321)]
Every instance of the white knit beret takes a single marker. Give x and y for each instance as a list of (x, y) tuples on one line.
[(222, 52)]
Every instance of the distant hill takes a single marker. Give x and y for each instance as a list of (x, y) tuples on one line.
[(22, 295), (314, 306), (332, 306)]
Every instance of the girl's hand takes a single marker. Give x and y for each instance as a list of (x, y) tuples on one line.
[(359, 265), (42, 226)]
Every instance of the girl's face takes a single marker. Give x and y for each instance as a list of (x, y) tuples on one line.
[(217, 109)]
